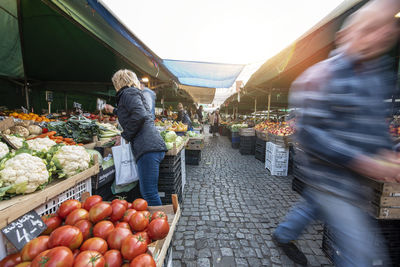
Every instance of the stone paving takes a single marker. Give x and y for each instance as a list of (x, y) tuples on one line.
[(231, 207)]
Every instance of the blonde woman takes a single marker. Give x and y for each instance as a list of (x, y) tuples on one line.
[(135, 117)]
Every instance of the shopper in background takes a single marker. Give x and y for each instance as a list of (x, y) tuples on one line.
[(215, 120), (183, 116), (134, 115), (200, 114), (340, 114), (150, 97)]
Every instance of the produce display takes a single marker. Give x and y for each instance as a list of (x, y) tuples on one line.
[(80, 129), (15, 140), (178, 127), (107, 131), (95, 233), (170, 138), (36, 163), (236, 127), (29, 117), (276, 128), (193, 134)]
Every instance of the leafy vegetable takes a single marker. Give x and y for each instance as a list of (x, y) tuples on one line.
[(79, 128)]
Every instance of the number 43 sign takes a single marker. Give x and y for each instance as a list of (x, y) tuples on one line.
[(24, 229)]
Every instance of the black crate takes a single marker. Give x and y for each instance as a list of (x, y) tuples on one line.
[(235, 145), (260, 156), (297, 185), (170, 168), (104, 191), (103, 177), (170, 180), (246, 151), (170, 160), (192, 157)]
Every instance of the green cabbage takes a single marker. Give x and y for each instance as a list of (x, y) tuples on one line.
[(169, 145), (170, 136)]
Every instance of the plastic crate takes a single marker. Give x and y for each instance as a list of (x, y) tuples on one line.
[(193, 157), (170, 160), (170, 169), (72, 193), (235, 139), (235, 145), (260, 156)]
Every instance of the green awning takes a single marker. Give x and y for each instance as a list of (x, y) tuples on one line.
[(67, 40)]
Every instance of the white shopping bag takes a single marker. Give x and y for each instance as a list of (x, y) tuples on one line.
[(125, 164)]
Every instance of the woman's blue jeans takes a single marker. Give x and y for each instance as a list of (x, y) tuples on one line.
[(148, 167)]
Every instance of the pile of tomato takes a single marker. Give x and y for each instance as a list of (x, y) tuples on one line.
[(94, 233)]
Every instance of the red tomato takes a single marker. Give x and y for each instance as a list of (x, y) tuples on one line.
[(11, 260), (95, 244), (159, 215), (77, 215), (139, 204), (129, 206), (138, 222), (158, 229), (144, 260), (69, 236), (113, 258), (133, 246), (24, 264), (58, 256), (103, 229), (91, 201), (128, 214), (118, 211), (123, 225), (67, 207), (35, 247), (145, 236), (99, 212), (52, 221), (122, 201), (86, 228), (116, 237), (147, 214), (89, 258)]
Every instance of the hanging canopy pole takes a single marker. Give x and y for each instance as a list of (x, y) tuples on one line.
[(66, 102), (255, 106), (269, 103), (21, 39)]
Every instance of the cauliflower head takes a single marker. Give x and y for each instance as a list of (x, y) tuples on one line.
[(25, 173), (3, 150), (16, 141), (41, 144), (72, 159)]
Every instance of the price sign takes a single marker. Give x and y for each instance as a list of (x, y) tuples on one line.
[(24, 229), (24, 110), (49, 96), (77, 105), (101, 104)]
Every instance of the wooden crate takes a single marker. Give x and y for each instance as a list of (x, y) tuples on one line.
[(159, 248), (385, 202), (176, 150), (195, 143), (247, 132), (262, 135)]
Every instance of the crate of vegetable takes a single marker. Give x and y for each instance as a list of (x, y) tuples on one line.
[(101, 233)]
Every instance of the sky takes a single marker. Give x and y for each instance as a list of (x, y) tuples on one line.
[(225, 31)]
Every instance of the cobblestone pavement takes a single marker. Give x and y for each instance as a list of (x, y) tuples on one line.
[(231, 207)]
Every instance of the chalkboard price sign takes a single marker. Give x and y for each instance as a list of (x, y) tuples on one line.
[(24, 229), (77, 105)]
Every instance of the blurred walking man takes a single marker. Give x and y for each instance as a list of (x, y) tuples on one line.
[(342, 131)]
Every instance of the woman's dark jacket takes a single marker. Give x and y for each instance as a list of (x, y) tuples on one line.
[(135, 117)]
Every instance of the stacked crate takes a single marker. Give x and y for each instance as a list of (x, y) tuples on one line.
[(276, 159), (193, 157), (170, 178), (235, 139), (247, 144), (388, 229), (260, 149)]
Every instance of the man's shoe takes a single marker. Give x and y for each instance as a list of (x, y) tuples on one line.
[(292, 251)]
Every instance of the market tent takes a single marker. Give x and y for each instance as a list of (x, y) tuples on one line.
[(313, 46), (198, 77), (69, 42)]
